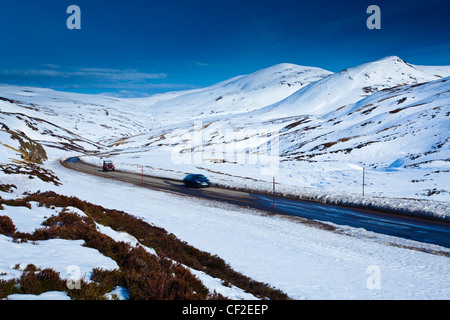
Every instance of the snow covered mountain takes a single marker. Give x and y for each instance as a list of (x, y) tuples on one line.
[(317, 129), (233, 96), (369, 115), (352, 85), (322, 122), (94, 118)]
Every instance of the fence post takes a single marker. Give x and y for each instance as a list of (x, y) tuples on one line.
[(273, 195), (364, 173)]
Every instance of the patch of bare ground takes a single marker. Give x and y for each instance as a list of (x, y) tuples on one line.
[(401, 109)]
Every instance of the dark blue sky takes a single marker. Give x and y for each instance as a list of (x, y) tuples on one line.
[(138, 47)]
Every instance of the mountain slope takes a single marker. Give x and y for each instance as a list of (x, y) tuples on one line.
[(403, 112), (96, 118), (389, 116), (370, 115), (395, 124), (234, 96), (352, 85)]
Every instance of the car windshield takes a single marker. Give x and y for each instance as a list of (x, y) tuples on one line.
[(200, 176)]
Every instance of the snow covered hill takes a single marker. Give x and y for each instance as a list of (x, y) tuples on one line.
[(307, 125), (311, 129), (318, 123), (352, 85), (89, 117), (369, 115), (233, 96)]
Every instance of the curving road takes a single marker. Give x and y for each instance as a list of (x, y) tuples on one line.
[(413, 228)]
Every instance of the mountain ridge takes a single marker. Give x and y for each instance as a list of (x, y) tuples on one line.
[(371, 115)]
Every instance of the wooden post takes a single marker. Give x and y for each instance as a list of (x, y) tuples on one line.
[(364, 173), (273, 194)]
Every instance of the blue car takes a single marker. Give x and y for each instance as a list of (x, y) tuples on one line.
[(196, 181)]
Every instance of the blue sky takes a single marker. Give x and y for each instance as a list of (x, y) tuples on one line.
[(138, 48)]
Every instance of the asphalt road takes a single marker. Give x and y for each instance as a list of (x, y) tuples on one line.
[(413, 228)]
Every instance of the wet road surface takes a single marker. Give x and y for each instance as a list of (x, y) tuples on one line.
[(413, 228)]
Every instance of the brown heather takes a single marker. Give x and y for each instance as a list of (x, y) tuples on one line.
[(145, 275)]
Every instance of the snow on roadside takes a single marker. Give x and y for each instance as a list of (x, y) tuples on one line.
[(304, 262), (319, 185), (64, 256)]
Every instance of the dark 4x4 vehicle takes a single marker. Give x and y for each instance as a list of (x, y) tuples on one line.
[(196, 181), (108, 166)]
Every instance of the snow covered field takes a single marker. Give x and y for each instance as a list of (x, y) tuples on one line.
[(394, 122)]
